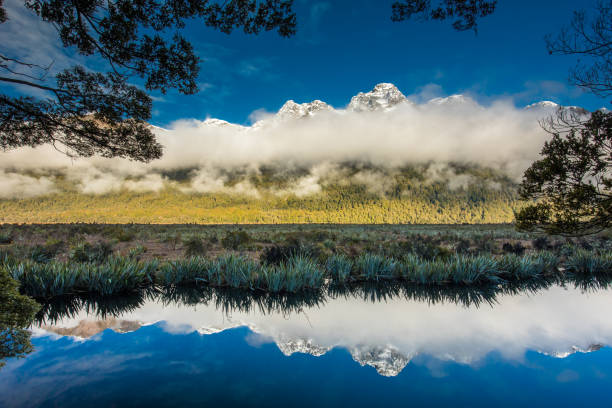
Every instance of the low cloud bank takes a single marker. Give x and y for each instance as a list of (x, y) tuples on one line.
[(499, 136)]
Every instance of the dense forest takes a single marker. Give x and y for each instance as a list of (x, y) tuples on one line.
[(428, 194)]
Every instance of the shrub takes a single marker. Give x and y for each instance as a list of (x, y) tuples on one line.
[(136, 252), (517, 248), (45, 253), (194, 246), (424, 246), (463, 246), (173, 239), (235, 239), (5, 238), (86, 252), (541, 243), (277, 254)]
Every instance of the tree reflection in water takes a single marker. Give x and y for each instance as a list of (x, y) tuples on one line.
[(17, 313), (229, 300)]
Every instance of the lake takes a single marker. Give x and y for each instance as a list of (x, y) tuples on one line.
[(369, 346)]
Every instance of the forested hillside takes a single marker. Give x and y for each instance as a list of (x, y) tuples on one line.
[(429, 194)]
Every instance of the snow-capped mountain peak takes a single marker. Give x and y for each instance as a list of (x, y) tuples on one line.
[(453, 100), (387, 361), (293, 110), (289, 346), (221, 124), (543, 105), (383, 96)]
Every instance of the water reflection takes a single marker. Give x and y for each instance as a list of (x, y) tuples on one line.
[(228, 300), (16, 315), (384, 326)]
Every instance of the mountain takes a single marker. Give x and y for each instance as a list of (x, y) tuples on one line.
[(88, 328), (383, 96), (222, 124), (292, 110), (542, 105), (453, 101), (289, 346), (548, 108), (387, 361), (573, 350)]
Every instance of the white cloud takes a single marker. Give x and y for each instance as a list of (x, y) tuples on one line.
[(500, 136)]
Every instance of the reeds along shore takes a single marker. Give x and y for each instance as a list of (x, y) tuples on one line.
[(298, 273)]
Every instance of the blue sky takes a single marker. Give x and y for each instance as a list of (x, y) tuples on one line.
[(346, 46)]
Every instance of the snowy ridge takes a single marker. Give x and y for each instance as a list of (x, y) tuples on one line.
[(384, 97), (387, 361), (292, 110), (290, 346)]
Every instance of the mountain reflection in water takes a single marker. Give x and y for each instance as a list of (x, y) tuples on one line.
[(382, 326), (361, 346)]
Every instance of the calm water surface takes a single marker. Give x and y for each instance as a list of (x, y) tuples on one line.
[(546, 348)]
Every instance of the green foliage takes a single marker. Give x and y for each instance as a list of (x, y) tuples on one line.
[(571, 186), (464, 13), (174, 239), (235, 239), (424, 246), (277, 254), (103, 113), (16, 315), (516, 248), (116, 275), (121, 234), (589, 263), (184, 272), (339, 268), (86, 252), (298, 273), (516, 268), (410, 201), (46, 252), (374, 267), (589, 38), (541, 243), (194, 246), (5, 238)]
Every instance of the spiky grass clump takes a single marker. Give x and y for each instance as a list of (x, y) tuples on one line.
[(117, 275), (233, 271), (44, 280), (374, 267), (588, 263), (298, 273), (182, 272), (459, 270), (339, 268), (517, 268), (473, 270)]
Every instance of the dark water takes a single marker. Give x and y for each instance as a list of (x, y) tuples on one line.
[(545, 348)]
